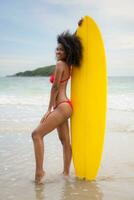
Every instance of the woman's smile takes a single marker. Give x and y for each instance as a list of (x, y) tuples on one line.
[(60, 53)]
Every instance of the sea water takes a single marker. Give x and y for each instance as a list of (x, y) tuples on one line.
[(121, 93), (23, 100)]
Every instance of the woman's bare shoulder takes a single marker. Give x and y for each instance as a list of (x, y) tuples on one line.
[(61, 62)]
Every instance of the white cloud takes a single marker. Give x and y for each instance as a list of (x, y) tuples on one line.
[(13, 64), (70, 2), (114, 17), (120, 41), (118, 8)]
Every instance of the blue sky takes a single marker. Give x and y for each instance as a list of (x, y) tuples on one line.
[(28, 31)]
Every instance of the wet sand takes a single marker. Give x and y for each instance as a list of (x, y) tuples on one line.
[(115, 180)]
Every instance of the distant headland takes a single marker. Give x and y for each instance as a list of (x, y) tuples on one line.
[(42, 71)]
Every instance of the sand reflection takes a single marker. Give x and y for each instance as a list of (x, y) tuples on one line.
[(68, 189)]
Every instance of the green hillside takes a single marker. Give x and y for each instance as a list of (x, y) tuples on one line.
[(42, 71)]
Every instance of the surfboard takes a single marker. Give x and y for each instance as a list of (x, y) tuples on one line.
[(89, 99)]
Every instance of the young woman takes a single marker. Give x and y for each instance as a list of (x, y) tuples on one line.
[(68, 54)]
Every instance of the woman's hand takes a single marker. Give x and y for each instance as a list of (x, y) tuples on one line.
[(79, 24), (80, 21), (45, 116)]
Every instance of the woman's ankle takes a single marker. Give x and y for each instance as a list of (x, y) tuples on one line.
[(65, 173), (39, 173)]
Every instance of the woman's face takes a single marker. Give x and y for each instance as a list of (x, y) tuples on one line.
[(60, 52)]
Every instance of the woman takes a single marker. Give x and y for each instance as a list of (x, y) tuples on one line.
[(68, 53)]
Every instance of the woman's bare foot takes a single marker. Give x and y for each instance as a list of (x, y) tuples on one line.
[(65, 173), (40, 178)]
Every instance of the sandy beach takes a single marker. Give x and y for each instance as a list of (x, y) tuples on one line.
[(115, 179)]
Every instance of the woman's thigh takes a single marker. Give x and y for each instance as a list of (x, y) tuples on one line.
[(63, 129), (63, 132), (54, 119)]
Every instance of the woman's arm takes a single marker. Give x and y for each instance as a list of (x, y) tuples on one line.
[(55, 88), (56, 84)]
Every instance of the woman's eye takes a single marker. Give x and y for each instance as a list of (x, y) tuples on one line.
[(59, 49)]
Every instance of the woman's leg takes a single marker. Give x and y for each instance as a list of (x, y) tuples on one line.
[(39, 155), (57, 117), (63, 133)]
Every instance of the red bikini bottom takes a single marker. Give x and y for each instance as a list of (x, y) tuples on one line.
[(67, 101)]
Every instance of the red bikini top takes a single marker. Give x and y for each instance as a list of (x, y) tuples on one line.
[(52, 78)]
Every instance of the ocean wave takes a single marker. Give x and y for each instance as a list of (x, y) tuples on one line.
[(24, 100), (27, 124), (121, 102), (126, 129)]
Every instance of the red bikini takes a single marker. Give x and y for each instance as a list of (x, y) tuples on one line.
[(52, 77), (67, 101)]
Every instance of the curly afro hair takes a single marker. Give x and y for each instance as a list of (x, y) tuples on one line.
[(72, 46)]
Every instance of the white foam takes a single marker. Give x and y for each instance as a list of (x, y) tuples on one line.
[(124, 102), (24, 100)]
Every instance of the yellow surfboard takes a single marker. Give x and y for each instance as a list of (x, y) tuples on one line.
[(89, 98)]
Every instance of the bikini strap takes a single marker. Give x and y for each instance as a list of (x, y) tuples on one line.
[(67, 78)]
